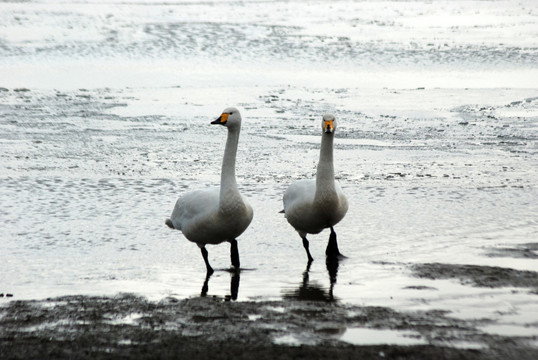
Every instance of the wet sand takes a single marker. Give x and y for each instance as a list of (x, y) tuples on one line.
[(212, 327)]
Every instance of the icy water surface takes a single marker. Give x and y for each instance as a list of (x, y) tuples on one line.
[(105, 111)]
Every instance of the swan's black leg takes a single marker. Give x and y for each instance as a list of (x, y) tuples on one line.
[(208, 267), (234, 254), (234, 286), (332, 246), (306, 246), (205, 287)]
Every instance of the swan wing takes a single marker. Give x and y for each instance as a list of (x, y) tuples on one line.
[(202, 220), (298, 207), (299, 194), (194, 205), (343, 204), (308, 216)]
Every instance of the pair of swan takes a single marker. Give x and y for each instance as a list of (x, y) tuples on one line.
[(216, 215)]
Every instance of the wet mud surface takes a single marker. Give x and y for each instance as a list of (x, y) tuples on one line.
[(127, 326), (302, 325), (523, 251), (484, 276)]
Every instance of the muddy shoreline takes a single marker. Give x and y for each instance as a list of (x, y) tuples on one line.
[(130, 326)]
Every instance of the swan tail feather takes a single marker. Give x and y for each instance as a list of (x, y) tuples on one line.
[(169, 223)]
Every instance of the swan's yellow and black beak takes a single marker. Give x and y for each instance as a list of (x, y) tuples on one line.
[(328, 126), (221, 119)]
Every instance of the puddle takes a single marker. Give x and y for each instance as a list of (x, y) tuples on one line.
[(294, 340), (366, 336), (277, 309), (288, 339), (131, 319), (468, 345), (511, 330)]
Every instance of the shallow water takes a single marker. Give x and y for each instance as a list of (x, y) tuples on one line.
[(105, 122)]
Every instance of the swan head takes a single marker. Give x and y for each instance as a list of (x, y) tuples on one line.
[(328, 124), (230, 117)]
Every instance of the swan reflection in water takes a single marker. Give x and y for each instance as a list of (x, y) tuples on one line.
[(312, 291), (234, 285)]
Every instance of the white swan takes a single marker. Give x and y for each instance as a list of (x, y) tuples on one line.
[(313, 205), (215, 215)]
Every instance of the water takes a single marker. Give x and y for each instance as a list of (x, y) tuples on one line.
[(105, 122), (364, 336)]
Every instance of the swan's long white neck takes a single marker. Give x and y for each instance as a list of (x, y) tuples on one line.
[(325, 172), (228, 184)]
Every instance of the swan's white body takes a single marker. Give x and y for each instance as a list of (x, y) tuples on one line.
[(204, 219), (313, 205), (309, 214), (219, 214)]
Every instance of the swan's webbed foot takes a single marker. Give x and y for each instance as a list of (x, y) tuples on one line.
[(234, 254), (332, 247), (210, 270), (306, 246)]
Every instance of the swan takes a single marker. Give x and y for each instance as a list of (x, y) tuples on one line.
[(215, 215), (315, 204)]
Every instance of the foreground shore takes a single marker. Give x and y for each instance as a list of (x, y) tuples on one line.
[(211, 327)]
